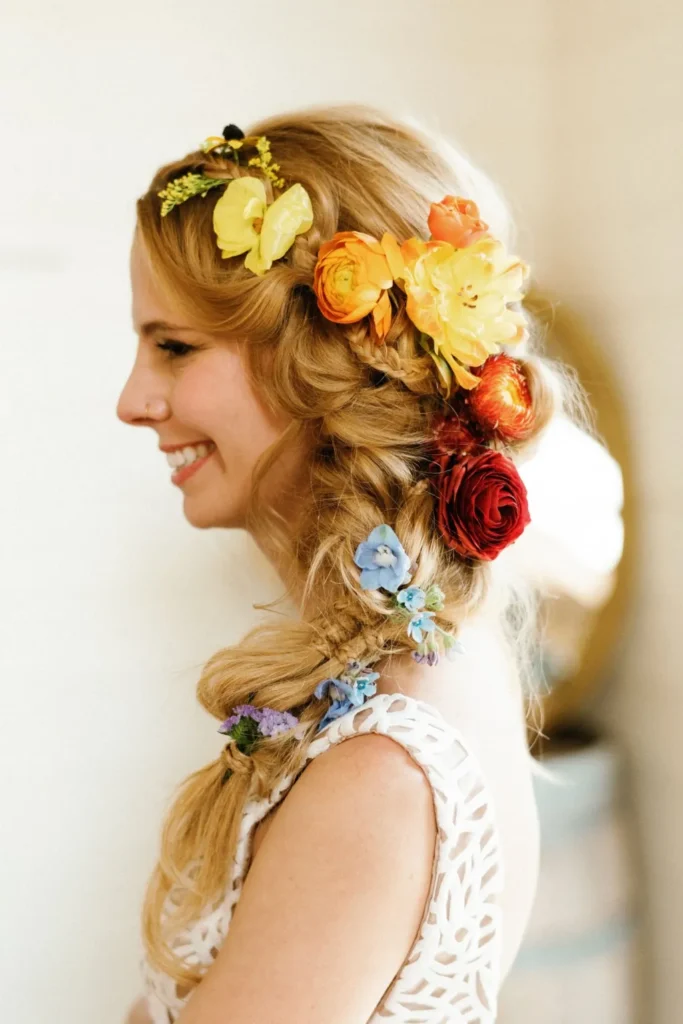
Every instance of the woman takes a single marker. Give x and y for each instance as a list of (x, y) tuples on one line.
[(330, 335)]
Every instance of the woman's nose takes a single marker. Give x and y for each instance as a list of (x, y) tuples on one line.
[(140, 408)]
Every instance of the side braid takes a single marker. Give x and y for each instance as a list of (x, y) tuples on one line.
[(396, 357)]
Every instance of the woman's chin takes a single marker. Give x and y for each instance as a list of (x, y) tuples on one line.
[(205, 516)]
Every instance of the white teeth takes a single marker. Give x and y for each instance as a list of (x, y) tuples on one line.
[(185, 456)]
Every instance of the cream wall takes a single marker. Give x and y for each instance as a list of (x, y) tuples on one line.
[(110, 601)]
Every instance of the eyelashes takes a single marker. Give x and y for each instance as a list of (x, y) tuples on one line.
[(175, 349)]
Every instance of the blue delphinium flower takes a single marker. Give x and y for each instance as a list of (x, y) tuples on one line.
[(383, 561), (350, 690)]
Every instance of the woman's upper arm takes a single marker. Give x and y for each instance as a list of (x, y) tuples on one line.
[(334, 896)]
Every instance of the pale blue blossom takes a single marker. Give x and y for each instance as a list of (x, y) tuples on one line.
[(418, 623), (412, 598), (383, 561)]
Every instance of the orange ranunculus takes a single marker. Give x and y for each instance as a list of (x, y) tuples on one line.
[(456, 220), (351, 280)]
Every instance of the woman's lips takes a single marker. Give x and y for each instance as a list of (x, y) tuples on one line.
[(185, 472)]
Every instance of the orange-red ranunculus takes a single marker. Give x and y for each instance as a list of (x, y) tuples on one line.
[(351, 280), (456, 220), (501, 403)]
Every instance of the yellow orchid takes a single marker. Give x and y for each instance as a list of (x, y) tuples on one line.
[(244, 222), (459, 298)]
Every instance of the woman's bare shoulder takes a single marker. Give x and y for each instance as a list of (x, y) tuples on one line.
[(355, 829)]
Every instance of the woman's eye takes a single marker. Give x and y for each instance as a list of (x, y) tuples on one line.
[(175, 349)]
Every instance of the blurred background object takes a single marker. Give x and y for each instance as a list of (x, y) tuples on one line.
[(581, 556), (580, 960), (110, 603)]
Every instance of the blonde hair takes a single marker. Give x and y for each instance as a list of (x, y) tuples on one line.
[(362, 411)]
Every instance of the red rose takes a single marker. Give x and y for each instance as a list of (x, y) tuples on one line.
[(482, 504), (501, 402), (452, 435)]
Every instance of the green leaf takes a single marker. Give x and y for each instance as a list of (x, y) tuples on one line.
[(245, 734), (444, 372)]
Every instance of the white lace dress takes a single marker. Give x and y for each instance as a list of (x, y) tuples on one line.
[(452, 973)]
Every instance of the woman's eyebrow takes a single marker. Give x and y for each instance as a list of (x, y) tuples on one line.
[(152, 326)]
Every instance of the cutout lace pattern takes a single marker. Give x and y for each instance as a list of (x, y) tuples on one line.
[(452, 973)]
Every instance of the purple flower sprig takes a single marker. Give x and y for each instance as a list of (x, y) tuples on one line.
[(248, 724)]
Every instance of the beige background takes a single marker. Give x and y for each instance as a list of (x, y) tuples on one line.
[(110, 601)]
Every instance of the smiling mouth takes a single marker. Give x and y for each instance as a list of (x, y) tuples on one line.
[(189, 454), (185, 471)]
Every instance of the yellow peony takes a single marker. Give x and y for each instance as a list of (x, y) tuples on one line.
[(459, 298), (244, 222)]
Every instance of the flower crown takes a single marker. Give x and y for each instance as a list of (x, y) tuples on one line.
[(459, 283), (459, 286), (242, 218)]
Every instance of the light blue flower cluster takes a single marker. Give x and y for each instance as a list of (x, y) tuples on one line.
[(385, 564), (350, 690)]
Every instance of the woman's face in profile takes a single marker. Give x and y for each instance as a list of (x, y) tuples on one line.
[(196, 391)]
